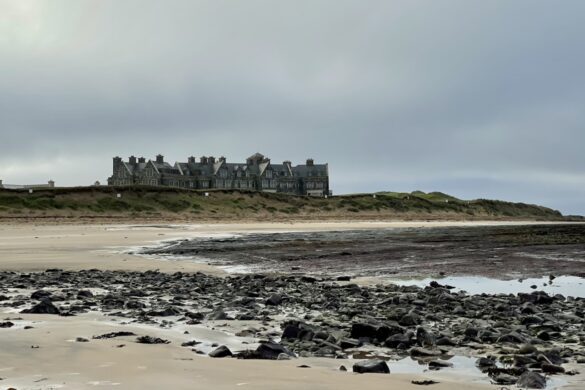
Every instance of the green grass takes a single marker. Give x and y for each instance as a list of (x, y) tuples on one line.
[(156, 201)]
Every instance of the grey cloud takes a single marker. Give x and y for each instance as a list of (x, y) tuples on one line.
[(468, 97)]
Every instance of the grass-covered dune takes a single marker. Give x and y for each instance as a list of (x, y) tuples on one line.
[(156, 203)]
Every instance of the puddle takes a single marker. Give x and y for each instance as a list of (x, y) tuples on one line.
[(566, 285), (463, 367)]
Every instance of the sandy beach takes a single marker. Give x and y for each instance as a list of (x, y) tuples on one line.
[(61, 362), (29, 247)]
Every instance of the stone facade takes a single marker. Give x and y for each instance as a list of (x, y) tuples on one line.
[(257, 174)]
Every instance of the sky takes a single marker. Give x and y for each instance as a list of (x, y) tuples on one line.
[(475, 98)]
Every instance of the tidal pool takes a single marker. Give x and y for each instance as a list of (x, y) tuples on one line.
[(566, 285)]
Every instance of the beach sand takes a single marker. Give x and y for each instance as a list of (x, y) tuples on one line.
[(60, 362)]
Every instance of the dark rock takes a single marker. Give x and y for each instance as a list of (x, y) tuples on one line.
[(424, 352), (84, 294), (167, 312), (484, 362), (274, 300), (218, 315), (151, 340), (6, 324), (81, 340), (371, 366), (343, 278), (505, 379), (425, 382), (346, 343), (220, 352), (271, 351), (40, 294), (44, 307), (438, 364), (191, 343), (513, 337), (531, 380), (410, 319), (111, 335), (551, 369)]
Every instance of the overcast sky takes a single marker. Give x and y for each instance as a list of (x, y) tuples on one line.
[(479, 99)]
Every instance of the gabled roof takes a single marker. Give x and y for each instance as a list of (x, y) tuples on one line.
[(256, 156), (313, 170)]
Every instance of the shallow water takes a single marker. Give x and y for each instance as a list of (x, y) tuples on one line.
[(495, 252), (463, 367), (566, 285)]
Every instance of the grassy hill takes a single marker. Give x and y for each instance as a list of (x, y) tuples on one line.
[(156, 203)]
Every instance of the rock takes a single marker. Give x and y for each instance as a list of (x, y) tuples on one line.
[(81, 340), (6, 324), (362, 330), (425, 382), (271, 351), (371, 367), (151, 340), (111, 335), (343, 278), (484, 362), (342, 368), (191, 343), (505, 379), (220, 352), (283, 356), (346, 343), (513, 337), (40, 294), (397, 340), (274, 300), (44, 307), (424, 352), (445, 341), (438, 364), (551, 369), (218, 315), (410, 319), (84, 294), (531, 380), (424, 338), (526, 349), (167, 312)]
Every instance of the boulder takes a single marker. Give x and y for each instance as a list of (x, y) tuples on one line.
[(371, 367), (220, 352), (43, 307), (271, 351), (531, 380), (274, 300)]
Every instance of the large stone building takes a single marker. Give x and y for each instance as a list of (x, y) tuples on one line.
[(257, 173)]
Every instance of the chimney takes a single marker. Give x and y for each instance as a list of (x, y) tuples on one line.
[(310, 162), (203, 160), (1, 185), (191, 160), (117, 162), (160, 159), (222, 159), (132, 160), (141, 160), (211, 160), (51, 183)]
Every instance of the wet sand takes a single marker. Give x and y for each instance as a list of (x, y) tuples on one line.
[(59, 362)]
